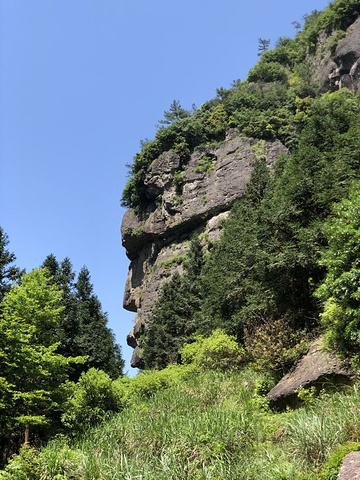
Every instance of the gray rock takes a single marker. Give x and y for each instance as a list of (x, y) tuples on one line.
[(157, 243), (160, 173), (136, 360), (343, 70), (350, 469), (319, 368)]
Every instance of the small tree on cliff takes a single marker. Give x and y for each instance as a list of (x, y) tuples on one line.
[(175, 112), (263, 45)]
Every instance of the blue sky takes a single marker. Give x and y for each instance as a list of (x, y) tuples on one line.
[(81, 83)]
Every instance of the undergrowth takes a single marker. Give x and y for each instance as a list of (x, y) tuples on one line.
[(203, 425)]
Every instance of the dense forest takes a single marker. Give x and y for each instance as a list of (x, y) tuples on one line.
[(53, 332), (243, 312)]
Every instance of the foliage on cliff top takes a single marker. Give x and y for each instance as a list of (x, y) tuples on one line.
[(267, 106)]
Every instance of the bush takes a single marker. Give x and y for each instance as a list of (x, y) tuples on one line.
[(24, 466), (93, 397), (275, 345), (331, 468), (217, 352), (267, 72), (149, 382)]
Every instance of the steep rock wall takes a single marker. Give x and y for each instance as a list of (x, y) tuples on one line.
[(342, 69), (194, 200), (198, 198)]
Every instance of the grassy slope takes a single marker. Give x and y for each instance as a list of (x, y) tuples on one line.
[(207, 426)]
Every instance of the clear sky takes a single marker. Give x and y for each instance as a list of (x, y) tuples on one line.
[(81, 83)]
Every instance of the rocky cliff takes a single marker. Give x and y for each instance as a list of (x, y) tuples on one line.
[(194, 201), (341, 68), (197, 198)]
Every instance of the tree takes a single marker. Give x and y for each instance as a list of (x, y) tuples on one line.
[(94, 338), (263, 45), (82, 329), (340, 290), (175, 318), (32, 371), (8, 272), (175, 112)]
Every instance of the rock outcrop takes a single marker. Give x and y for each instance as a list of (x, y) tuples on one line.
[(343, 68), (195, 199), (350, 469), (319, 368)]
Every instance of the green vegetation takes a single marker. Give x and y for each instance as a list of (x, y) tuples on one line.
[(341, 287), (83, 325), (185, 423), (51, 330), (206, 165), (31, 371), (241, 314), (174, 317)]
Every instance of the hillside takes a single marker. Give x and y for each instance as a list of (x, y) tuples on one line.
[(182, 424), (243, 235), (272, 154)]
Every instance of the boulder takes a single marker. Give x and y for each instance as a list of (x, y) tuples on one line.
[(319, 368), (350, 469)]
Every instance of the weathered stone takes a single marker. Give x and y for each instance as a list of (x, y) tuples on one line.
[(160, 173), (343, 70), (136, 360), (350, 469), (157, 242), (319, 368)]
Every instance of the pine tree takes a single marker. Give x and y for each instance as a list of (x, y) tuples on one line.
[(83, 327), (8, 272), (175, 112), (94, 338), (263, 46)]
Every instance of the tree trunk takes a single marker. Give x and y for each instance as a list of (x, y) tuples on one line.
[(27, 435)]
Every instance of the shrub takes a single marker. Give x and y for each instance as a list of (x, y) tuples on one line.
[(147, 383), (267, 72), (23, 466), (330, 469), (217, 352), (93, 396), (275, 345)]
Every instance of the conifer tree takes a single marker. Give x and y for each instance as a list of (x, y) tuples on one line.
[(83, 327), (94, 338), (8, 271), (175, 112)]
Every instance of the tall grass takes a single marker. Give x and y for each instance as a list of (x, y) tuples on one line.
[(208, 426)]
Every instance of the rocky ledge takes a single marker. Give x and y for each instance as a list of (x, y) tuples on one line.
[(192, 200)]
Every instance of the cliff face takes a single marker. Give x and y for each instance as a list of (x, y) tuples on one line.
[(342, 69), (196, 200)]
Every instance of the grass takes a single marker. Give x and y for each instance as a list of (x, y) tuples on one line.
[(207, 426)]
